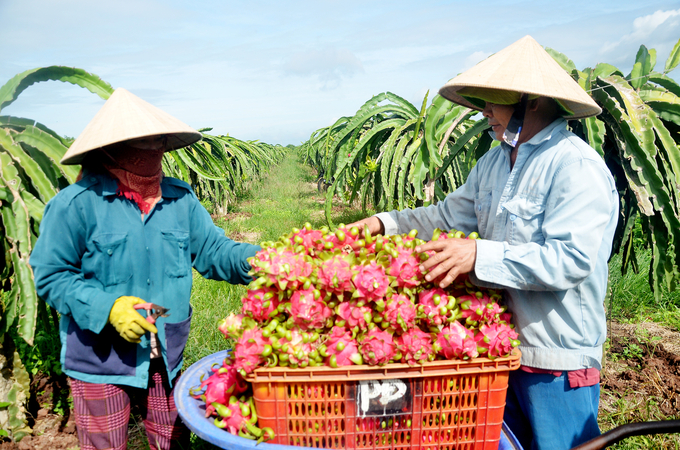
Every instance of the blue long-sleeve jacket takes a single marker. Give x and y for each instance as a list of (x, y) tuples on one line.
[(94, 247), (547, 227)]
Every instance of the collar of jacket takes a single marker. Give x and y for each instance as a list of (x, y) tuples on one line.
[(542, 136)]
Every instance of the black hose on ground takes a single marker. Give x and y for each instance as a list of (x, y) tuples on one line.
[(628, 430)]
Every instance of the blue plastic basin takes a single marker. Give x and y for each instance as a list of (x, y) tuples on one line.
[(192, 412)]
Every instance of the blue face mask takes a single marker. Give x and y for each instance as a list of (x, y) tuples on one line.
[(514, 128)]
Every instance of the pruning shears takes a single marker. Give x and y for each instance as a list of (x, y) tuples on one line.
[(153, 311)]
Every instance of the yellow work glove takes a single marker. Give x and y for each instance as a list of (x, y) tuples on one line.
[(127, 321)]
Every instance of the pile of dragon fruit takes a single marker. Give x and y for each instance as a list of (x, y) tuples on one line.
[(345, 297)]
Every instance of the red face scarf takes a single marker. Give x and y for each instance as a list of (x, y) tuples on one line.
[(144, 191), (139, 175)]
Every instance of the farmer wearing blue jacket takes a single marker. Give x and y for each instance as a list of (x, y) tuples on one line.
[(545, 206), (122, 236)]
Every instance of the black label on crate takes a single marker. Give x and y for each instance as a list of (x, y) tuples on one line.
[(383, 397)]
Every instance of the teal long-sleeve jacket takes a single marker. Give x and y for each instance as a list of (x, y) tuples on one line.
[(94, 247)]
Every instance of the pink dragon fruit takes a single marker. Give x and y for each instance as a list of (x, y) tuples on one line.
[(377, 347), (370, 281), (261, 304), (354, 315), (369, 244), (239, 418), (496, 340), (439, 235), (335, 273), (232, 326), (298, 351), (436, 307), (479, 308), (415, 346), (222, 384), (250, 350), (308, 310), (456, 342), (341, 349), (231, 416), (399, 312), (305, 237), (342, 239), (280, 267), (506, 318), (404, 267)]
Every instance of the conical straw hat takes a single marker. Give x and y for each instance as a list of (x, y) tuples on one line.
[(523, 67), (125, 116)]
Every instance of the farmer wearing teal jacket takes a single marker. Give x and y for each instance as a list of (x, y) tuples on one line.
[(546, 208), (125, 235)]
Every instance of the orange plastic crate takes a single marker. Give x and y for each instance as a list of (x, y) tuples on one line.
[(440, 405)]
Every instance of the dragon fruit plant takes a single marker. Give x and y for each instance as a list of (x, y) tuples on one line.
[(345, 297)]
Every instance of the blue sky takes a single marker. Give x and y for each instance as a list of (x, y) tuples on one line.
[(275, 71)]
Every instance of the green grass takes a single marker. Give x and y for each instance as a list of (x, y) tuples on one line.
[(631, 299), (211, 302)]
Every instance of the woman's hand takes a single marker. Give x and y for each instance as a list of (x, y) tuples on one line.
[(452, 257), (375, 226), (127, 321)]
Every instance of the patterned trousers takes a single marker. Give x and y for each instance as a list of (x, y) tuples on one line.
[(102, 413)]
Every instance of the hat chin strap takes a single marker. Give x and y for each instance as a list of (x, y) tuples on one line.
[(514, 128)]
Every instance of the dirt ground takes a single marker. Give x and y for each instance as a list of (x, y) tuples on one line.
[(50, 429), (643, 364)]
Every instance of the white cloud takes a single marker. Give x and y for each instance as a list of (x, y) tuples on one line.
[(329, 65), (398, 57), (475, 58), (644, 27)]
